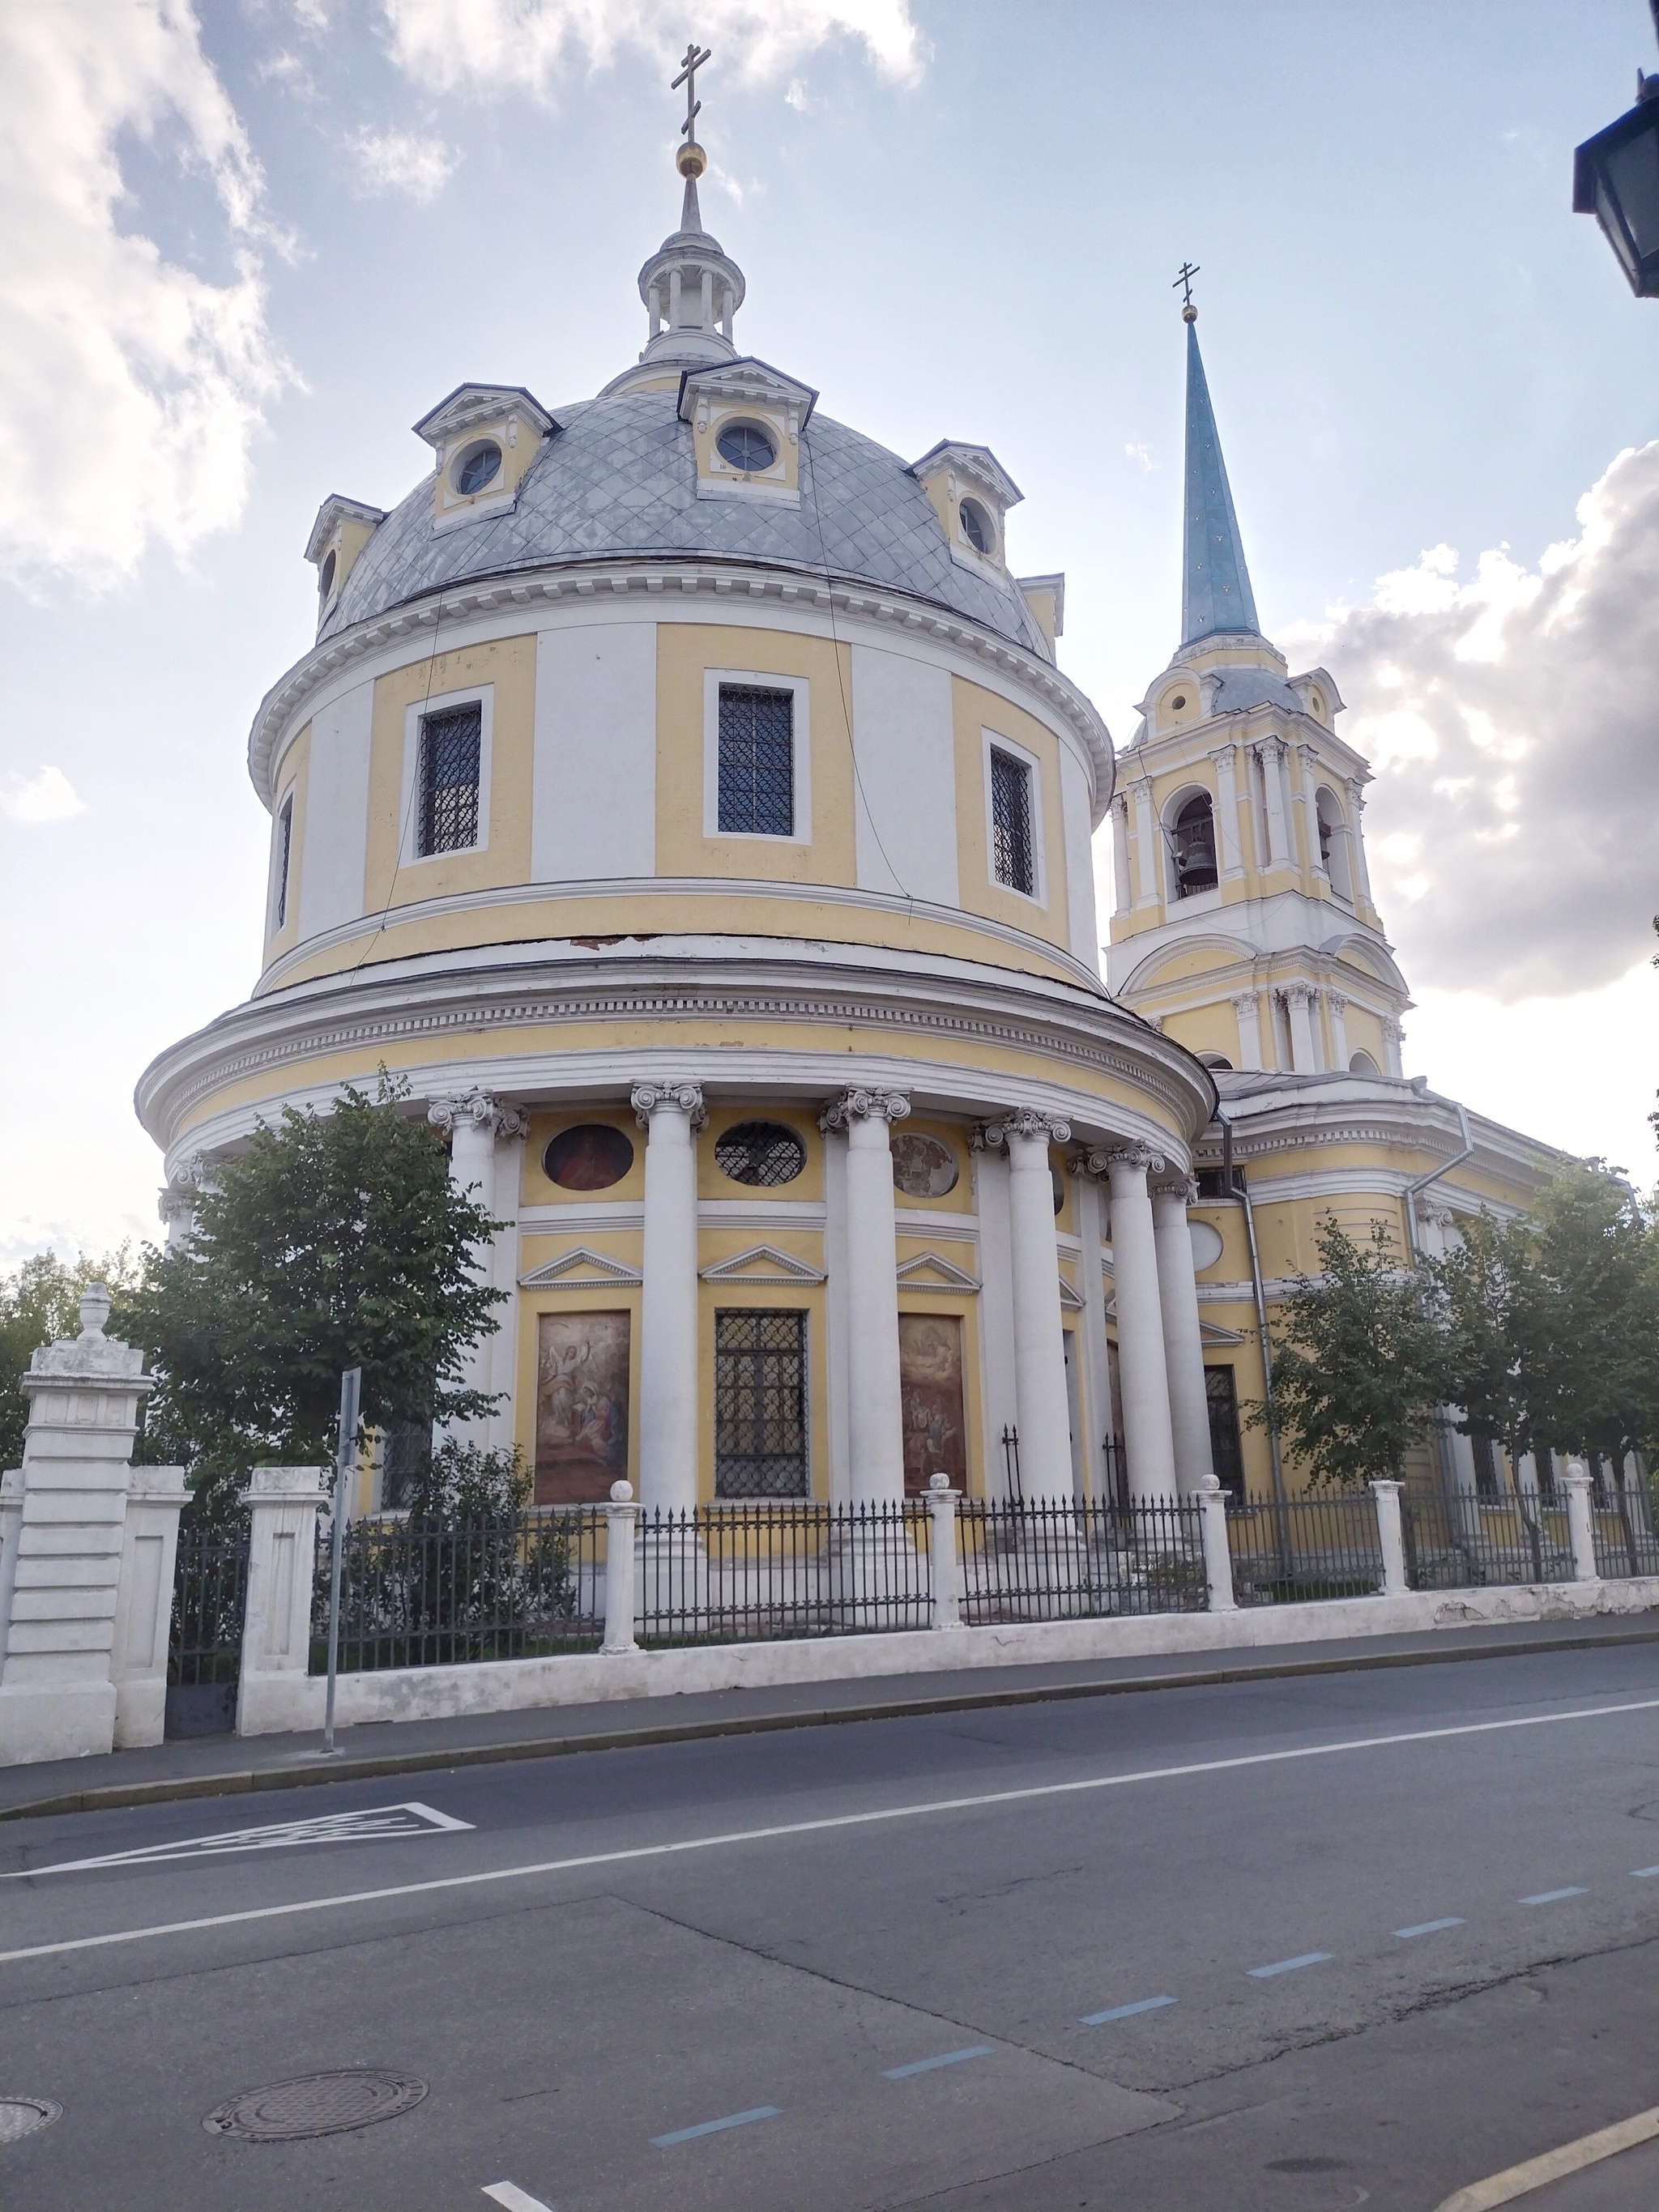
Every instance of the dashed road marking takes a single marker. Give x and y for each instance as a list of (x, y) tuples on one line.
[(714, 2127), (944, 2058), (1554, 1896), (512, 2199), (1288, 1965), (1431, 1927), (1123, 2012)]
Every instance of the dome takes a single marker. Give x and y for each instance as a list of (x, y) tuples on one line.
[(619, 478)]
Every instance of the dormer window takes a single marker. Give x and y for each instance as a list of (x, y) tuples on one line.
[(342, 528), (479, 465), (977, 527), (971, 493), (746, 422), (745, 445), (325, 574)]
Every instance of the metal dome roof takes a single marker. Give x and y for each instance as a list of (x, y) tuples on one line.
[(618, 481)]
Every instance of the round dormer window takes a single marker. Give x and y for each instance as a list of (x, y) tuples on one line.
[(476, 468), (1178, 702), (325, 576), (976, 526), (745, 445)]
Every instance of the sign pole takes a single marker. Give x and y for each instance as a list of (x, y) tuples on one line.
[(351, 1384)]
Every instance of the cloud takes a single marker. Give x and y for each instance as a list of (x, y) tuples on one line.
[(130, 387), (46, 796), (498, 46), (1513, 723), (397, 161)]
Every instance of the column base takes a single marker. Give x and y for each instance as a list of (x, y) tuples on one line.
[(73, 1723)]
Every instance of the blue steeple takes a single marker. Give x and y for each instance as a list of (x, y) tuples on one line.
[(1216, 592)]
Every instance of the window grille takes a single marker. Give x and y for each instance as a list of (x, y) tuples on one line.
[(284, 854), (760, 1404), (451, 745), (1221, 1395), (1487, 1482), (757, 761), (1013, 855), (763, 1152)]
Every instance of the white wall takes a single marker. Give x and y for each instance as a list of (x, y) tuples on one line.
[(594, 806), (337, 812), (905, 745), (1079, 861)]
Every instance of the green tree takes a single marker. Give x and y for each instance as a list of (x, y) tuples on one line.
[(1598, 1257), (1359, 1362), (331, 1240), (38, 1303), (1500, 1309)]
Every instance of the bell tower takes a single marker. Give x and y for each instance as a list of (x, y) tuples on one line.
[(1242, 924)]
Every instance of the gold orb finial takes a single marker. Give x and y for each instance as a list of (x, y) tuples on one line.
[(1190, 314), (691, 161)]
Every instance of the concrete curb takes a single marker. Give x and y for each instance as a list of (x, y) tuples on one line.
[(344, 1768)]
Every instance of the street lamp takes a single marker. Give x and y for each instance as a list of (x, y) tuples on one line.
[(1615, 178)]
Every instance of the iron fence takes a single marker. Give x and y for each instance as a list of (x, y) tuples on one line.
[(1625, 1541), (1066, 1558), (1467, 1541), (748, 1570), (417, 1595), (204, 1636), (1303, 1549)]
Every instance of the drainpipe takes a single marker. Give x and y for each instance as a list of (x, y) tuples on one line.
[(1236, 1190), (1443, 1447)]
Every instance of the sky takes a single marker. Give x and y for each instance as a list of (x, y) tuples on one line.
[(247, 247)]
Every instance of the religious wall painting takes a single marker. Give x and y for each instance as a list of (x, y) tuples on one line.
[(591, 1155), (930, 1388), (922, 1166), (581, 1406)]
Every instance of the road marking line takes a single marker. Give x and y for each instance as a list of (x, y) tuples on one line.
[(1643, 1874), (1554, 1896), (1288, 1965), (1553, 2165), (713, 2127), (372, 1825), (946, 2058), (509, 2194), (1123, 2012), (1431, 1927), (805, 1828)]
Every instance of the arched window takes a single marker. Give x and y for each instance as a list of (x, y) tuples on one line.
[(1332, 842), (1362, 1064), (1193, 847), (1216, 1063)]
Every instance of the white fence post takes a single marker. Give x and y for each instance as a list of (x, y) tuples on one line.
[(1581, 1527), (56, 1698), (1391, 1535), (143, 1605), (1217, 1551), (283, 1502), (620, 1518), (947, 1592)]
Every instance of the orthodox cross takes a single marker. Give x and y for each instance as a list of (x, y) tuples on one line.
[(1189, 271), (695, 56)]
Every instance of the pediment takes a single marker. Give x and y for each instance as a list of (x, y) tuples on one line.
[(470, 404), (932, 1271), (1070, 1300), (762, 1263), (581, 1270)]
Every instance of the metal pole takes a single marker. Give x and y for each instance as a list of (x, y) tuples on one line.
[(351, 1385)]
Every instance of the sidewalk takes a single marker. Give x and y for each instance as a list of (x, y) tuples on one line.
[(214, 1766)]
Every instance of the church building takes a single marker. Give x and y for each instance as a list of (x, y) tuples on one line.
[(684, 799)]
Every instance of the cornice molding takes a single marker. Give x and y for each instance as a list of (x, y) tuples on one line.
[(416, 619)]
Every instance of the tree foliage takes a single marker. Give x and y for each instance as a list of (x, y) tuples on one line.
[(1360, 1363), (331, 1240), (40, 1303)]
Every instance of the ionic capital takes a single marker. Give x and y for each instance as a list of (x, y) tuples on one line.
[(859, 1105), (476, 1109), (1140, 1157), (674, 1097), (1025, 1121)]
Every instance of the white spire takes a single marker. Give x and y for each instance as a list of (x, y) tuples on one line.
[(691, 290)]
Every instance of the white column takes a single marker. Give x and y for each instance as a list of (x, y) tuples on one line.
[(875, 1406), (143, 1606), (1149, 859), (620, 1516), (1394, 1038), (996, 1304), (673, 299), (1183, 1343), (473, 1121), (57, 1696), (1142, 1376), (1120, 892), (1231, 855), (707, 303), (1391, 1536), (1249, 1012), (1271, 753), (1361, 877), (672, 1113), (837, 1316), (1096, 1367), (1305, 809), (282, 1503), (1580, 1526), (1044, 1421), (1305, 1057), (1338, 1008), (176, 1203)]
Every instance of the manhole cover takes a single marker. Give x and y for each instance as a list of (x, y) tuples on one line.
[(22, 2116), (315, 2105)]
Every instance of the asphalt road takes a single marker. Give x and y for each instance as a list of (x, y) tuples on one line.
[(1224, 1948)]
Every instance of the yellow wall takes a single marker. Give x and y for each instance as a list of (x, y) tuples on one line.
[(973, 711)]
